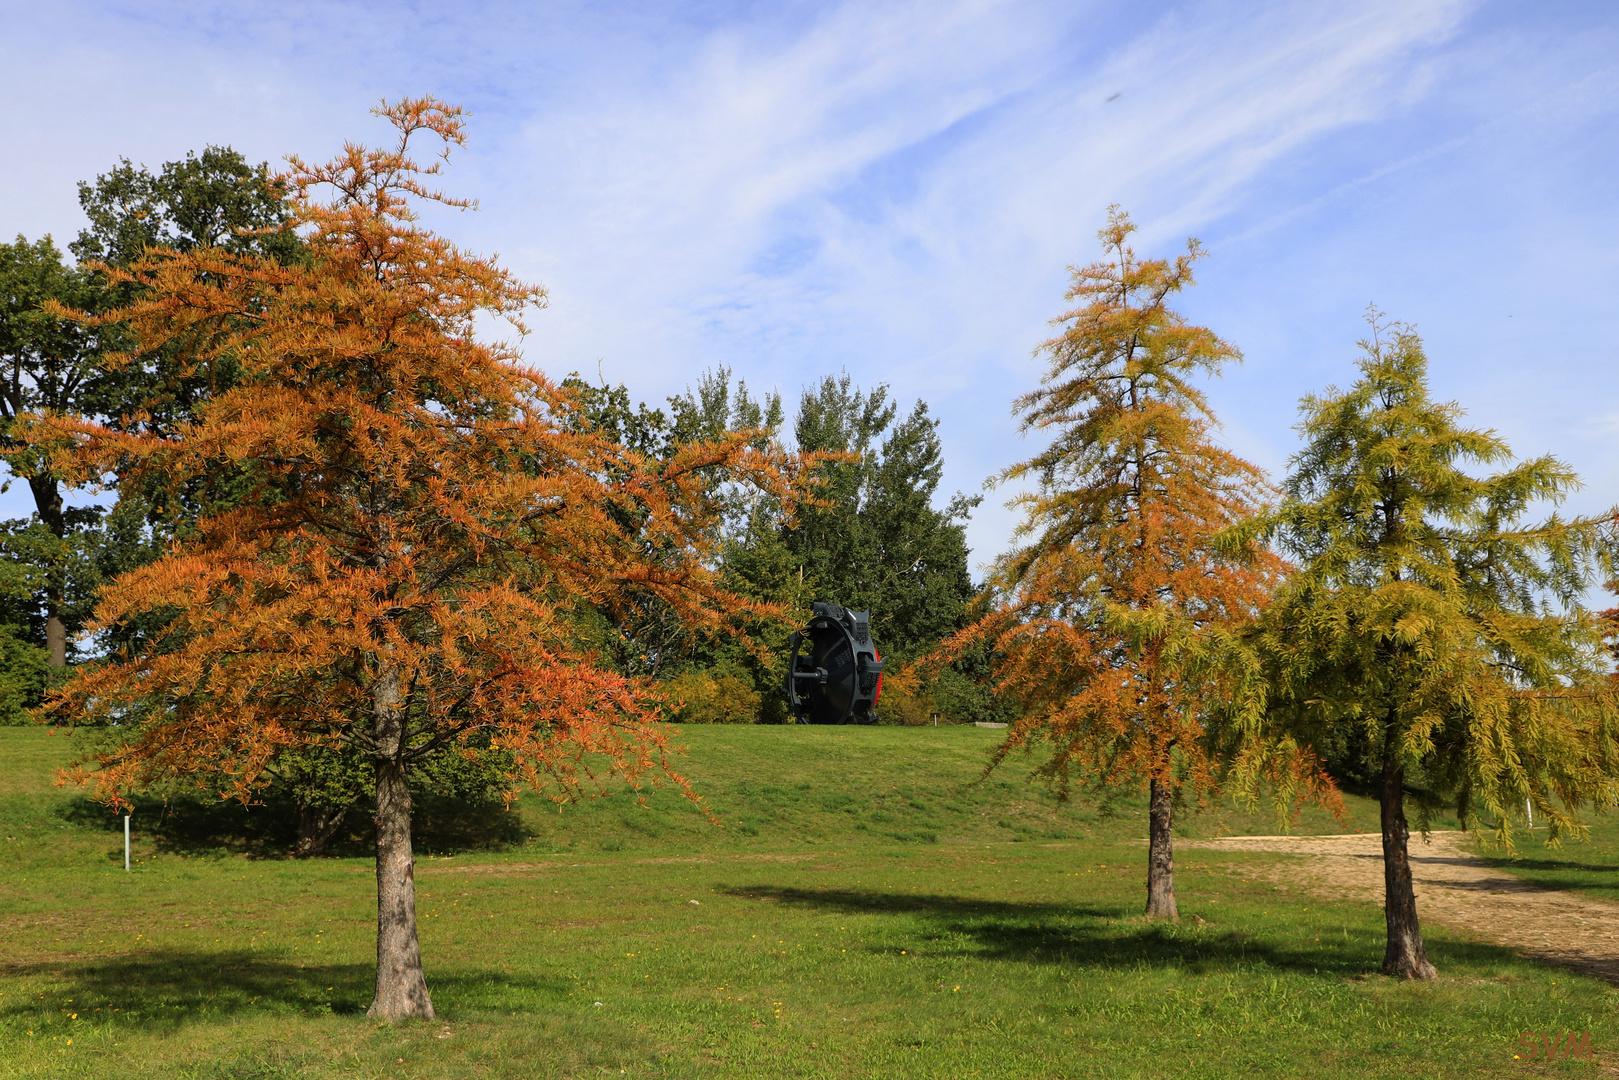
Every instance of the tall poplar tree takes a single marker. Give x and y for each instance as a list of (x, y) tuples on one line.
[(1427, 619), (1109, 620), (411, 519)]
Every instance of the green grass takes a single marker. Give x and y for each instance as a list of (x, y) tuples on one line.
[(868, 910), (1589, 866)]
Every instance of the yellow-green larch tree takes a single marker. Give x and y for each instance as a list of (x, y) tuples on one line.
[(1428, 617), (1113, 619), (413, 521)]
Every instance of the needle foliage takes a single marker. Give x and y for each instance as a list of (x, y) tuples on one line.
[(1432, 625), (1111, 618), (411, 520)]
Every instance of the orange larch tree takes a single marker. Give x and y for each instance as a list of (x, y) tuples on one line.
[(404, 522), (1114, 620)]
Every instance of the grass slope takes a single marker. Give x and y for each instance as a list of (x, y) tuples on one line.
[(869, 909)]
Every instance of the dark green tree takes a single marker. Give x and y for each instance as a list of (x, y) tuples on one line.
[(212, 199), (644, 636), (51, 365), (877, 542), (874, 540), (24, 670), (1428, 624)]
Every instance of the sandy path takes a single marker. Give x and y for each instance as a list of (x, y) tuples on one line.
[(1453, 889)]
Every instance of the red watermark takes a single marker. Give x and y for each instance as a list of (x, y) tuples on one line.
[(1549, 1045)]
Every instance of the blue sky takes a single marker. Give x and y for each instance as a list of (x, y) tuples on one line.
[(896, 188)]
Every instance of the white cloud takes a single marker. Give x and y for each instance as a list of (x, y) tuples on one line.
[(896, 187)]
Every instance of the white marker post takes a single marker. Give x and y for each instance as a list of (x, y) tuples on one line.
[(1529, 810), (126, 843)]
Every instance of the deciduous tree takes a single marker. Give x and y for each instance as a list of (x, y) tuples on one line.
[(1110, 620), (412, 515), (48, 364), (1429, 621)]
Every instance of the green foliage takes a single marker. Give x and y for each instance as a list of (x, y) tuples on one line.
[(1427, 629), (643, 637), (340, 776), (712, 696), (212, 199), (56, 365), (878, 543), (875, 541), (48, 364), (24, 673), (49, 360)]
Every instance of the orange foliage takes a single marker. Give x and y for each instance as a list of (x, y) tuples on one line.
[(1110, 621), (402, 514), (1608, 618)]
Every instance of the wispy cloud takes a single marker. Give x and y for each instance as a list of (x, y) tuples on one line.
[(904, 203), (895, 187)]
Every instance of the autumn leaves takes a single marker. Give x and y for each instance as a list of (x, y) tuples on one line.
[(1423, 637), (401, 522)]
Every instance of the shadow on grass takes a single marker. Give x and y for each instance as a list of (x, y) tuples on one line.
[(193, 825), (165, 989), (1093, 936), (1563, 866)]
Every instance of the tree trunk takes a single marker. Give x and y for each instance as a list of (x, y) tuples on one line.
[(317, 825), (1160, 854), (401, 988), (48, 503), (1404, 956)]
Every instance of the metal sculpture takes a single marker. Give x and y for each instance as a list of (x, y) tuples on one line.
[(840, 677)]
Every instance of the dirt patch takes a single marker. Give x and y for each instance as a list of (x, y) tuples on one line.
[(488, 868), (1454, 888)]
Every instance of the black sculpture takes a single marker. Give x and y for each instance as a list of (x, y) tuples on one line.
[(840, 678)]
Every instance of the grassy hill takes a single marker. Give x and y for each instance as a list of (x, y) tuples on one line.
[(770, 788), (872, 906)]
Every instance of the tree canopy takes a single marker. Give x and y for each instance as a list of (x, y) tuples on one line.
[(1428, 621), (875, 540), (1110, 620), (411, 516), (58, 366)]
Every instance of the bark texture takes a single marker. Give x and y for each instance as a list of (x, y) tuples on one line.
[(48, 502), (1161, 854), (401, 987), (1404, 956), (317, 825)]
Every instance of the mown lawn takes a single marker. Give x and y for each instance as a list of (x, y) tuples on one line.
[(1589, 865), (869, 910)]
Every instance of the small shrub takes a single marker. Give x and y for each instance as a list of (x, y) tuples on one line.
[(712, 697), (904, 699)]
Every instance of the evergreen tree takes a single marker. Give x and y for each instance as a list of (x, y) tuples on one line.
[(872, 538), (877, 542), (1419, 623)]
